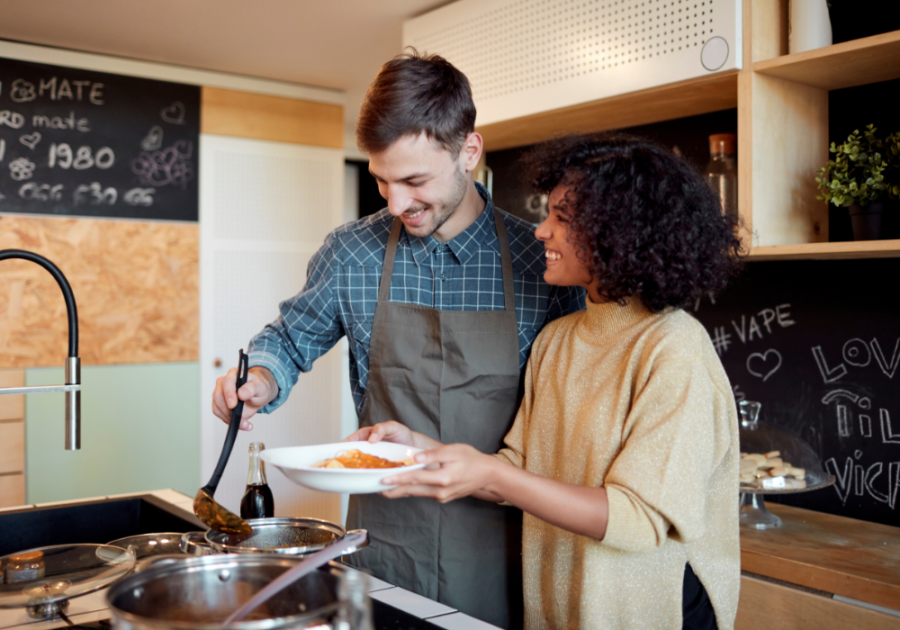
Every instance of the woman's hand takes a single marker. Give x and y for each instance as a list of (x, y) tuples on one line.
[(453, 471)]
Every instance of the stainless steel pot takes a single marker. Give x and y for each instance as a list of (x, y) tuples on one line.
[(284, 536), (146, 545), (199, 593)]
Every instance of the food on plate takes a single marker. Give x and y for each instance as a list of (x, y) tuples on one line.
[(355, 458), (769, 472)]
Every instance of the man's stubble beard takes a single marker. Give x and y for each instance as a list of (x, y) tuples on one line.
[(454, 200)]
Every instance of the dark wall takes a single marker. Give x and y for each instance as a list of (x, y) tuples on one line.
[(370, 200), (689, 135), (818, 344)]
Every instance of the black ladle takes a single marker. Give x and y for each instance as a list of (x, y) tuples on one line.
[(207, 510)]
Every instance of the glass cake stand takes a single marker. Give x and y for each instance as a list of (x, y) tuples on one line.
[(760, 438), (44, 579)]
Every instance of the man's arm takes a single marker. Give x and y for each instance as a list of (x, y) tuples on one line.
[(307, 327)]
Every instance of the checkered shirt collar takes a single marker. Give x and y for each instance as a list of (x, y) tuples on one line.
[(479, 235)]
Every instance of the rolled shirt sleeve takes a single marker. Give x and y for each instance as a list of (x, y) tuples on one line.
[(307, 327)]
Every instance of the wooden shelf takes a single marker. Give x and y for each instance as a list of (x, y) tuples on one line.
[(828, 251), (676, 100), (850, 64)]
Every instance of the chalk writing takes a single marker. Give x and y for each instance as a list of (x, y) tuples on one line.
[(41, 192), (857, 353), (21, 169), (30, 140), (171, 165), (139, 197), (23, 91), (174, 113), (153, 140), (721, 339), (764, 364), (862, 479), (779, 315)]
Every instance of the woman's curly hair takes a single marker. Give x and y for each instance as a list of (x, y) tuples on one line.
[(644, 219)]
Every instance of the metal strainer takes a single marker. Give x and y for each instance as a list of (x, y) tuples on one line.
[(289, 536)]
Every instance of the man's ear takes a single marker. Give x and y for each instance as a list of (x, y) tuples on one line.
[(471, 151)]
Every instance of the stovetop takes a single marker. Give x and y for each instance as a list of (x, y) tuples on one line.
[(386, 617)]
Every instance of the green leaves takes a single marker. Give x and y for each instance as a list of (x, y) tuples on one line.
[(863, 168)]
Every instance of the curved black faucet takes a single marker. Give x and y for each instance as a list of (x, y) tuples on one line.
[(72, 388)]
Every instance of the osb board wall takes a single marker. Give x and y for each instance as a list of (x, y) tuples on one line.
[(136, 287)]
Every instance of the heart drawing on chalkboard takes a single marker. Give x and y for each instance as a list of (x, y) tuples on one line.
[(30, 140), (767, 363), (174, 113)]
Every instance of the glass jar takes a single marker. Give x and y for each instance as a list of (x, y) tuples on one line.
[(721, 172), (25, 567)]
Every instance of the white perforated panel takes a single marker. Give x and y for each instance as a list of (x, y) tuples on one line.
[(528, 56), (265, 208)]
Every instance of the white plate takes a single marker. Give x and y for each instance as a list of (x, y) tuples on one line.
[(296, 463)]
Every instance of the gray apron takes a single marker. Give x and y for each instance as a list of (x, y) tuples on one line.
[(453, 376)]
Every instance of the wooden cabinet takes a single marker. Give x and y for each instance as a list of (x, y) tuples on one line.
[(782, 103), (12, 441), (819, 571)]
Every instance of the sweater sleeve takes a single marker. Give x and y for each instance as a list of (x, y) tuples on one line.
[(675, 438)]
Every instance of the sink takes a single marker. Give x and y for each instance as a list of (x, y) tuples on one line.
[(91, 522)]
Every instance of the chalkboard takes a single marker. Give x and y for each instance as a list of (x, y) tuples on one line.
[(818, 344), (83, 143)]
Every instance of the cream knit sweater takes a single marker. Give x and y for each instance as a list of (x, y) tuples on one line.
[(638, 402)]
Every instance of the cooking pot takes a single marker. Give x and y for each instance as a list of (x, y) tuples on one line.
[(200, 593), (146, 545), (283, 536)]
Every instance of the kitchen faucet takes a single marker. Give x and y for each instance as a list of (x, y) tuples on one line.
[(72, 388)]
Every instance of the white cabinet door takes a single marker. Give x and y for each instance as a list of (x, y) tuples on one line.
[(265, 208)]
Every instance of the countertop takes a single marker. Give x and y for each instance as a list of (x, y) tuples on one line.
[(92, 607), (849, 558)]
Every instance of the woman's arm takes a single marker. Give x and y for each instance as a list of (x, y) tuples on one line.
[(465, 471)]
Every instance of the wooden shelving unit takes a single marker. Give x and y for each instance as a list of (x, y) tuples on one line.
[(828, 251), (850, 64), (782, 103), (712, 93)]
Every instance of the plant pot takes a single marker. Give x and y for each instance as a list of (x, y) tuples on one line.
[(874, 221)]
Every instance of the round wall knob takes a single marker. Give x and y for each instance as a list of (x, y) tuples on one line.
[(217, 363)]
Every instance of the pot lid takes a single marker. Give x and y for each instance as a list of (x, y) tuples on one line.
[(52, 574)]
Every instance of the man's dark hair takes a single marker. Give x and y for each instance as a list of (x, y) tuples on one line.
[(645, 221), (415, 93)]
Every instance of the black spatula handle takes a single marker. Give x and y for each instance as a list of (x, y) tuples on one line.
[(233, 427)]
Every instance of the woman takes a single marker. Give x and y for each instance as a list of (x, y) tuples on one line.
[(624, 452)]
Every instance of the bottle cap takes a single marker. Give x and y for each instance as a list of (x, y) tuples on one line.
[(722, 143), (25, 557)]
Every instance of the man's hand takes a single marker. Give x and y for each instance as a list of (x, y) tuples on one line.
[(259, 390), (453, 471), (392, 431)]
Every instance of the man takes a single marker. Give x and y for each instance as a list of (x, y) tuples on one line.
[(441, 296)]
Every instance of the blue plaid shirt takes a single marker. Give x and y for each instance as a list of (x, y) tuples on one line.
[(463, 274)]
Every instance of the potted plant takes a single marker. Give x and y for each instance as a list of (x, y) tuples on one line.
[(864, 176)]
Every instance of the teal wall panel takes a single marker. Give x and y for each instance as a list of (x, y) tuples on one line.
[(140, 430)]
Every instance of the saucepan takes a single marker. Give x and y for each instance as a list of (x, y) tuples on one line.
[(282, 536), (200, 593)]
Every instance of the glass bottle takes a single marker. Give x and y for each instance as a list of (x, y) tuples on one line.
[(257, 501), (721, 172), (355, 607)]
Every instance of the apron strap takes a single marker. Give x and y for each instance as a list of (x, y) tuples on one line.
[(384, 289), (509, 292)]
